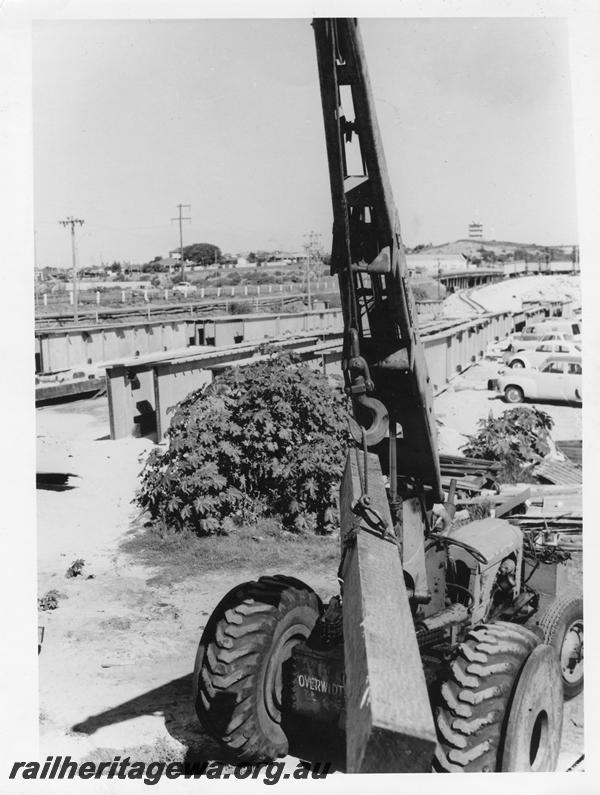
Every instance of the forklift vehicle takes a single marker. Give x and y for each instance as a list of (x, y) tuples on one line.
[(435, 655)]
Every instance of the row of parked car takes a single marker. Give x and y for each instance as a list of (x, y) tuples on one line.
[(542, 363)]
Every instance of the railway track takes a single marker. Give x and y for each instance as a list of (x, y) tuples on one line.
[(161, 311)]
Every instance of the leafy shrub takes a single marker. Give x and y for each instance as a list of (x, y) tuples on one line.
[(427, 289), (240, 307), (75, 569), (226, 279), (518, 439), (49, 601), (261, 277), (265, 439)]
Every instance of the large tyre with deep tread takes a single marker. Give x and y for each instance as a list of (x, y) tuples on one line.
[(562, 625), (472, 704), (238, 669)]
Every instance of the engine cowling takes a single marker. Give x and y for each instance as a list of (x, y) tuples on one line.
[(501, 545)]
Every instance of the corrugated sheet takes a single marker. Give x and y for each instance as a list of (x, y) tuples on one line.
[(559, 472), (572, 448)]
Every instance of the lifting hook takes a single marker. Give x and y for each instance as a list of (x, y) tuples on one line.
[(361, 383)]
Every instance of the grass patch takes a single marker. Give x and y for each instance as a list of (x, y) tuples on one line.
[(179, 555)]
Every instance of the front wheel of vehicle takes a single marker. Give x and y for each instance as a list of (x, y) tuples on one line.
[(562, 625), (239, 671), (499, 705), (513, 394), (517, 364)]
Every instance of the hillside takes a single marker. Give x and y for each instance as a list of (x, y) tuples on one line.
[(504, 248)]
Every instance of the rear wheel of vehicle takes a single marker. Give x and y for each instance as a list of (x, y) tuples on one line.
[(517, 364), (562, 625), (513, 394), (238, 674), (499, 706)]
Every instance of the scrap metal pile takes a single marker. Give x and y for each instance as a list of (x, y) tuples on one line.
[(550, 515)]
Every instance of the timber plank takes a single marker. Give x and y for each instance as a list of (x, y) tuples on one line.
[(389, 724)]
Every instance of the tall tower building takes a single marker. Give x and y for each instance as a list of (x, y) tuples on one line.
[(475, 230)]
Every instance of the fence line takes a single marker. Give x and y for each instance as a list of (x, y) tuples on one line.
[(158, 294)]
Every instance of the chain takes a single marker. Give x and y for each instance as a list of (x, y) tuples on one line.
[(362, 508)]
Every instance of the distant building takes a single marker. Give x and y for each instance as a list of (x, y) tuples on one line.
[(475, 230), (286, 257), (168, 263)]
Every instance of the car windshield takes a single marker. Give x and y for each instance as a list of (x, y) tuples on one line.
[(557, 336), (554, 367)]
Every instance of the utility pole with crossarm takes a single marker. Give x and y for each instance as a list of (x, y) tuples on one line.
[(312, 246), (73, 222), (182, 218)]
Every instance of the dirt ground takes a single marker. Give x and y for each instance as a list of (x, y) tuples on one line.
[(115, 668), (118, 651), (467, 400)]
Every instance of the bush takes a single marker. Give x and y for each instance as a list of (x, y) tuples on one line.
[(49, 601), (265, 439), (261, 277), (227, 279), (427, 290), (241, 307), (519, 438)]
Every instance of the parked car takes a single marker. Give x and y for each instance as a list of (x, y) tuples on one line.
[(184, 287), (559, 378), (520, 342), (554, 324), (537, 357)]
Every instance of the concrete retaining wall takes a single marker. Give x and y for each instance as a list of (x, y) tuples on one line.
[(140, 392), (64, 348), (61, 349)]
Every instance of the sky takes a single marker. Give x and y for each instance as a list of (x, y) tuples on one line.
[(134, 117)]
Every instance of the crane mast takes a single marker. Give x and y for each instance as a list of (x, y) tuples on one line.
[(383, 357)]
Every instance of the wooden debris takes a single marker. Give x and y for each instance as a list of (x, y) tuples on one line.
[(512, 502), (54, 481), (472, 474)]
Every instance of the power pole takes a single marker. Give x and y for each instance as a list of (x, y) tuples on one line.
[(73, 222), (312, 248), (182, 218)]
